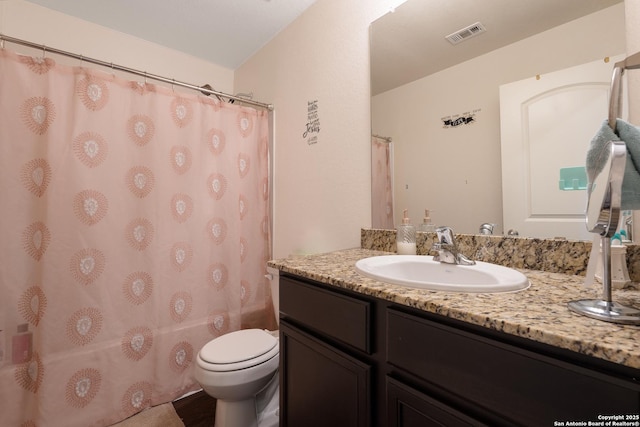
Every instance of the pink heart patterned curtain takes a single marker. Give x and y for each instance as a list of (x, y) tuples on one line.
[(381, 184), (134, 229)]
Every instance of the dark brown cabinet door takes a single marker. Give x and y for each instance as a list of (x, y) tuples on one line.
[(410, 408), (321, 386)]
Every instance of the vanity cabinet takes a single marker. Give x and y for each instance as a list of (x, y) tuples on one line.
[(325, 374), (348, 359)]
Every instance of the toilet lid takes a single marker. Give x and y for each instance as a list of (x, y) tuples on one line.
[(238, 346)]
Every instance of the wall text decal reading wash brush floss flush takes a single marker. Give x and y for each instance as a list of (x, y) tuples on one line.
[(313, 123), (467, 118)]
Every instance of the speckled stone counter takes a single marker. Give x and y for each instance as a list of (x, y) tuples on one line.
[(539, 313), (552, 255)]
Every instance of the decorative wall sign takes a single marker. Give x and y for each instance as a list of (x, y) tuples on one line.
[(460, 119), (313, 123)]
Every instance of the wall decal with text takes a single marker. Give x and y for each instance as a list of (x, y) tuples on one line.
[(467, 118), (313, 123)]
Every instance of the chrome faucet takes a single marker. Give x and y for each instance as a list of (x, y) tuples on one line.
[(447, 248), (487, 228)]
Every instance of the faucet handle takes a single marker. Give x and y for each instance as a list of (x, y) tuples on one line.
[(445, 235), (487, 228)]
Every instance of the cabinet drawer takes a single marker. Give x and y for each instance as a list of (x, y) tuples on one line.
[(339, 316), (523, 386)]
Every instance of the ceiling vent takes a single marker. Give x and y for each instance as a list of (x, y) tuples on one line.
[(466, 33)]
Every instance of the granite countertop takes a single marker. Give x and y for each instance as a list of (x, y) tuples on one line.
[(539, 313)]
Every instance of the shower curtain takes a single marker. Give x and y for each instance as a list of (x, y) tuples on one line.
[(134, 229), (381, 184)]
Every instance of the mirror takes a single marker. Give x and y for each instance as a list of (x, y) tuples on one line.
[(440, 103)]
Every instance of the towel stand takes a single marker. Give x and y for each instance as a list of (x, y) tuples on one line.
[(630, 63), (603, 210)]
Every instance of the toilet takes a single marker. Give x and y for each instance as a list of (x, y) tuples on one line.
[(240, 370)]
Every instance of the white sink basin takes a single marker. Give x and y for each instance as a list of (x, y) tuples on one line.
[(418, 271)]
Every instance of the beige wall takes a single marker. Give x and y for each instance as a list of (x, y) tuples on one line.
[(40, 25), (456, 172), (322, 191), (632, 25)]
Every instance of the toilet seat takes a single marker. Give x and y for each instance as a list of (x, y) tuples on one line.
[(238, 350)]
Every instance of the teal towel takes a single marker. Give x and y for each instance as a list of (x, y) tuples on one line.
[(597, 156)]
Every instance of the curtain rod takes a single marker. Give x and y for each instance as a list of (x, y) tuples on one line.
[(384, 138), (144, 74)]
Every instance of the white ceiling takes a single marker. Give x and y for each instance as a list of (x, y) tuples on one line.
[(409, 43), (406, 44), (224, 32)]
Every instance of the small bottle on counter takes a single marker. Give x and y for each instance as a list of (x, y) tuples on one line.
[(406, 237), (2, 346), (3, 343), (619, 272), (427, 225), (21, 345)]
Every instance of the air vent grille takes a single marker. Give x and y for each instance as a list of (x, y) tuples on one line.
[(466, 33)]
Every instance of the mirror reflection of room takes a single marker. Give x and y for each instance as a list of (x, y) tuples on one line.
[(449, 123)]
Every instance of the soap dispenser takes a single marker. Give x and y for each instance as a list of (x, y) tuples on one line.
[(406, 237), (427, 225)]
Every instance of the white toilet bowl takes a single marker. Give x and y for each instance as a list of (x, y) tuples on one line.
[(237, 368)]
